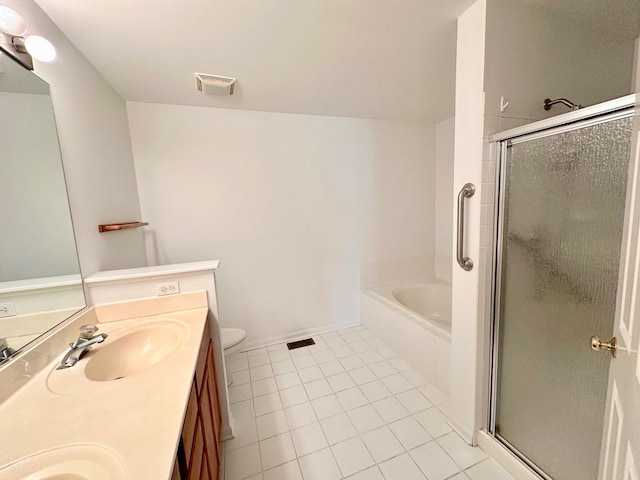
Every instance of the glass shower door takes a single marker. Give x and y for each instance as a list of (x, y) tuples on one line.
[(561, 220)]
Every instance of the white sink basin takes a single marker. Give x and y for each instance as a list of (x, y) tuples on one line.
[(134, 352), (71, 462), (128, 351)]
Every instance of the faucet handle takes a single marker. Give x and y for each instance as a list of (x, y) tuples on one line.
[(88, 331), (5, 350)]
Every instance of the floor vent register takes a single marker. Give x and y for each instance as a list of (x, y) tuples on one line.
[(300, 343)]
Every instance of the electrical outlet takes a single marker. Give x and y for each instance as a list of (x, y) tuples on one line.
[(169, 288), (7, 309)]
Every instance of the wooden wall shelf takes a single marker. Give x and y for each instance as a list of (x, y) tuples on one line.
[(112, 227)]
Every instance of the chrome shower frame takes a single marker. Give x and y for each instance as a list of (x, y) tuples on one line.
[(607, 111)]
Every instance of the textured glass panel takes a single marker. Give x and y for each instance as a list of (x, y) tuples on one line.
[(564, 208)]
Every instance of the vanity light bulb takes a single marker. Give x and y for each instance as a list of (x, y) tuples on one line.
[(11, 22), (40, 48)]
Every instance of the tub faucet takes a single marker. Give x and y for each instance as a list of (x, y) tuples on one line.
[(82, 345)]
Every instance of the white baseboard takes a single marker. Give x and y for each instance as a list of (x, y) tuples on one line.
[(505, 458), (299, 334), (227, 430)]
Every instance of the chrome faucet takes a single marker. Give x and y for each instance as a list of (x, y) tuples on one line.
[(82, 345), (5, 350)]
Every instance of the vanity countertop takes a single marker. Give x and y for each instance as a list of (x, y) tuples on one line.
[(138, 417)]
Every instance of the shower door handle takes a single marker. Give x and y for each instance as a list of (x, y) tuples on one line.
[(467, 192)]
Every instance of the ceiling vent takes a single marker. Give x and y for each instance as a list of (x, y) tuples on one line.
[(214, 84)]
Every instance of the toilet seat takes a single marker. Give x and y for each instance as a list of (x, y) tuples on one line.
[(231, 337)]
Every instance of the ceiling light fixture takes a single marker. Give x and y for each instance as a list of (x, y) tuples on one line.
[(13, 41)]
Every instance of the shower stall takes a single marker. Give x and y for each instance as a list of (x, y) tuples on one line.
[(560, 214)]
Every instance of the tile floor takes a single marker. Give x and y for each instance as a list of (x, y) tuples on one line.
[(347, 407)]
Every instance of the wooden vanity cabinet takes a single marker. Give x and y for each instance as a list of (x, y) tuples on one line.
[(200, 443)]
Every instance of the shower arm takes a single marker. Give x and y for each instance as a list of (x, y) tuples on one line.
[(548, 103)]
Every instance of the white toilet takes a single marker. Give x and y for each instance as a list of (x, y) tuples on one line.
[(232, 342)]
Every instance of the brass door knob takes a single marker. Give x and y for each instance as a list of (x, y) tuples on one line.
[(597, 345)]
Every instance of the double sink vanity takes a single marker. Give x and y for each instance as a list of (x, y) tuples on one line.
[(142, 404)]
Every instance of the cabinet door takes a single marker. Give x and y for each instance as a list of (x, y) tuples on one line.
[(201, 431), (212, 445), (210, 416), (175, 475), (197, 455), (204, 471), (214, 467), (203, 358), (190, 422), (213, 390)]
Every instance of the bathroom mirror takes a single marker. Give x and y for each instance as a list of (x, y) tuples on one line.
[(40, 282)]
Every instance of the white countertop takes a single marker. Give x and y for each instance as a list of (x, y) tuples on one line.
[(138, 418)]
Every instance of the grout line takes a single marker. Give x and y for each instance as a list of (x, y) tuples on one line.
[(357, 388)]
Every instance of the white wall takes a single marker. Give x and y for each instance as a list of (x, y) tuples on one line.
[(291, 204), (532, 54), (96, 150), (445, 137)]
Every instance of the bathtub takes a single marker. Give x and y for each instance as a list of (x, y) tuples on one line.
[(414, 319), (430, 300)]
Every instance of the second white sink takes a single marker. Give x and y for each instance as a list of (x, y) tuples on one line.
[(71, 462)]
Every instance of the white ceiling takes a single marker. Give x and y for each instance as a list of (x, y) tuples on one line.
[(390, 59)]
